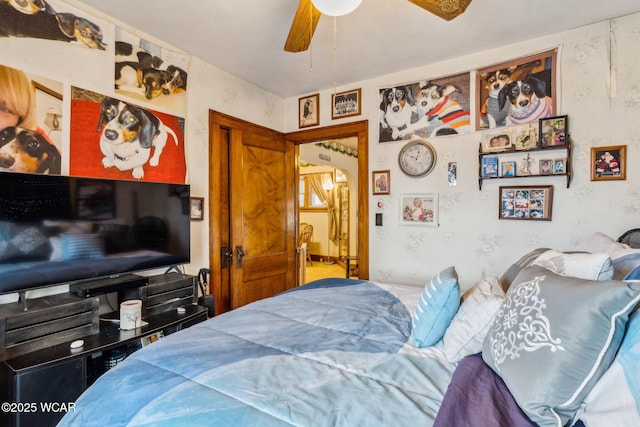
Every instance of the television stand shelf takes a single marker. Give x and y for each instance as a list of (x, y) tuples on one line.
[(57, 375)]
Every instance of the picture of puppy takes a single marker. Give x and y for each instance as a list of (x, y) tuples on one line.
[(396, 108), (491, 113), (127, 135), (36, 19), (438, 111), (24, 150), (527, 100)]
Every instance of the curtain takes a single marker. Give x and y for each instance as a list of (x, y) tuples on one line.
[(315, 181)]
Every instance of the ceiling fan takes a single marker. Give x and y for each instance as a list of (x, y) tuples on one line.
[(307, 17)]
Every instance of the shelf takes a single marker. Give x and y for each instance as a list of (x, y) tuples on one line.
[(511, 152)]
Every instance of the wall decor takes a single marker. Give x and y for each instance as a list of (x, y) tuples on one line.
[(536, 72), (425, 109), (419, 209), (159, 158), (545, 166), (508, 169), (554, 131), (452, 173), (525, 137), (608, 163), (381, 182), (309, 110), (526, 202), (489, 167), (559, 166), (417, 158), (346, 104), (196, 208), (497, 141)]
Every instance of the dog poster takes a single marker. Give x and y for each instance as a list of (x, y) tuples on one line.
[(425, 109), (517, 92), (50, 20), (150, 73), (112, 138)]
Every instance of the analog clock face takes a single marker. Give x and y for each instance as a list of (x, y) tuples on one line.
[(417, 158)]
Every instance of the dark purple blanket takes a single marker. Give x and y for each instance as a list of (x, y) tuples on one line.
[(477, 397)]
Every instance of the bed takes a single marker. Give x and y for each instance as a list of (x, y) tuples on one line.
[(343, 352)]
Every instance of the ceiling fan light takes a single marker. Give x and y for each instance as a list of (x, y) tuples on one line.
[(336, 7)]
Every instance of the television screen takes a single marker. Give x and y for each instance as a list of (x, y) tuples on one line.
[(57, 229)]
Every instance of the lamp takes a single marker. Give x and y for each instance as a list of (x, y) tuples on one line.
[(52, 118), (327, 185), (336, 7)]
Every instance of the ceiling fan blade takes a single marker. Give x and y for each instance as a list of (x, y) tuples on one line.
[(445, 9), (302, 28)]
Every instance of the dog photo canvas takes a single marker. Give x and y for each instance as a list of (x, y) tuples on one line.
[(517, 92), (112, 138), (425, 109)]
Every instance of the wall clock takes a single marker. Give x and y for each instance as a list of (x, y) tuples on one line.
[(417, 158)]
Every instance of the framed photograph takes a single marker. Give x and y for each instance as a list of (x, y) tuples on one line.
[(545, 166), (196, 208), (559, 166), (538, 71), (346, 104), (525, 137), (526, 202), (608, 163), (508, 169), (497, 141), (309, 110), (489, 167), (381, 182), (554, 131), (419, 209)]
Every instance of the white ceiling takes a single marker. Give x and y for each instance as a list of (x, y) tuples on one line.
[(246, 37)]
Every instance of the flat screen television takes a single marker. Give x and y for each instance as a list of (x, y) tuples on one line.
[(57, 230)]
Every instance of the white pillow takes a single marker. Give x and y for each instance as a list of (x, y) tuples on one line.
[(585, 266), (470, 325), (625, 259)]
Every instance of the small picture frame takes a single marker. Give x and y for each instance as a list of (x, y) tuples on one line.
[(609, 163), (559, 166), (346, 104), (545, 167), (497, 141), (489, 167), (532, 203), (419, 209), (554, 131), (508, 169), (525, 137), (309, 110), (381, 182), (196, 208)]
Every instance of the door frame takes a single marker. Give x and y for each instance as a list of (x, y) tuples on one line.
[(360, 130)]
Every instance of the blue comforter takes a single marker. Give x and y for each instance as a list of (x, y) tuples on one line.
[(335, 353)]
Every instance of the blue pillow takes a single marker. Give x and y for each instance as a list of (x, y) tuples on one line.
[(78, 246), (633, 274), (438, 304)]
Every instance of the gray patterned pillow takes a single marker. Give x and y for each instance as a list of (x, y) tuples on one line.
[(554, 336)]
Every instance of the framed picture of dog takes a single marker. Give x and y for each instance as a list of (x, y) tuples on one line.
[(517, 92), (309, 110), (554, 131), (196, 208), (381, 181), (526, 202), (346, 104), (609, 163)]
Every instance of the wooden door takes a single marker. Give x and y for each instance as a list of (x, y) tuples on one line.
[(255, 178)]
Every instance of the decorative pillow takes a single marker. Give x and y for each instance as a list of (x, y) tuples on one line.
[(553, 338), (633, 274), (77, 246), (507, 278), (595, 266), (28, 241), (469, 326), (438, 303), (115, 236), (624, 258), (615, 399)]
